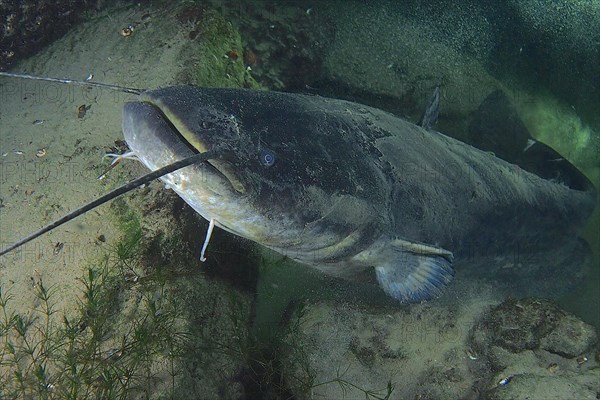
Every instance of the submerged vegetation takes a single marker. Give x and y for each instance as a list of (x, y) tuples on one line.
[(81, 357), (100, 352), (151, 331)]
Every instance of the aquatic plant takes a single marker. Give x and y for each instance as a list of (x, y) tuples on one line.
[(137, 331), (119, 337), (87, 355)]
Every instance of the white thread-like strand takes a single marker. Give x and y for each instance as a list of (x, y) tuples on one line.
[(130, 155), (211, 225)]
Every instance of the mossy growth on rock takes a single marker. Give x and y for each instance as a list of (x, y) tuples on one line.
[(219, 50)]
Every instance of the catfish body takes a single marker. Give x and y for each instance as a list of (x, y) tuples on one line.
[(345, 187)]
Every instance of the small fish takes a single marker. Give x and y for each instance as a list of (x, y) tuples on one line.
[(38, 121)]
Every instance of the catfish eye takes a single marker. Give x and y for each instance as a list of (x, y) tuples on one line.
[(267, 157)]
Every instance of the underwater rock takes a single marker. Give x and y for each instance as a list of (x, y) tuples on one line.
[(396, 63), (534, 324), (285, 42), (570, 337), (443, 350), (534, 349), (558, 46), (27, 26), (342, 351), (497, 127)]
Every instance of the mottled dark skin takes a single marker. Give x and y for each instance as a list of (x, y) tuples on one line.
[(347, 170)]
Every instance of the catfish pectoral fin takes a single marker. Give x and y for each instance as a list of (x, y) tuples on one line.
[(411, 277)]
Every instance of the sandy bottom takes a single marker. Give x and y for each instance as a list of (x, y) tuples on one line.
[(45, 116)]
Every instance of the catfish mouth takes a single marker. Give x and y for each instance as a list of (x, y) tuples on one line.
[(149, 128), (197, 144), (198, 147)]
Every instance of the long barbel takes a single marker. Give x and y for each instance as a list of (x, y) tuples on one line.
[(124, 89), (196, 158)]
